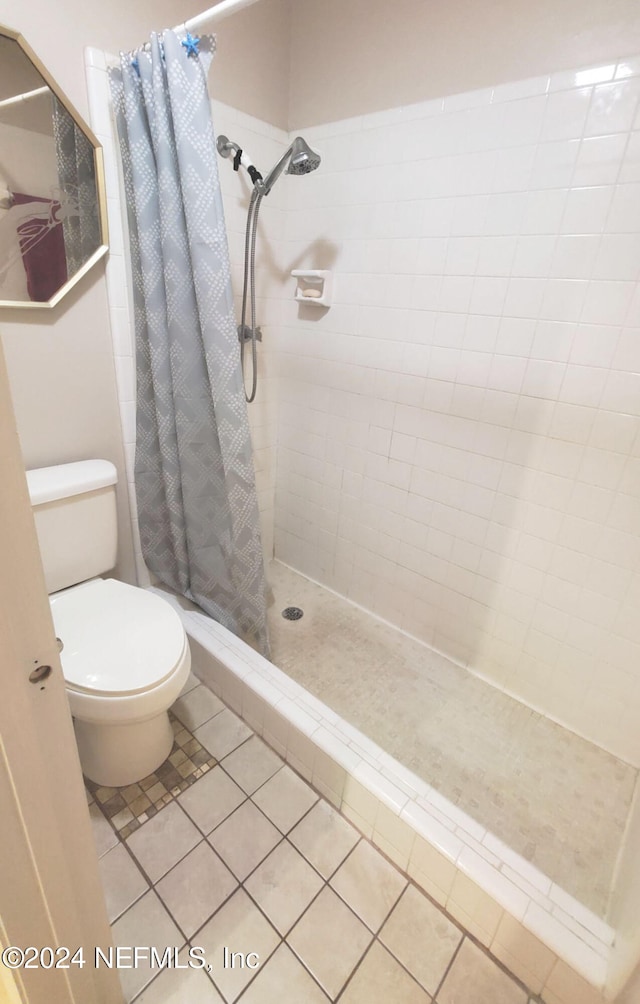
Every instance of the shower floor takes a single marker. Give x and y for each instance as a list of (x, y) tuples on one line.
[(559, 801)]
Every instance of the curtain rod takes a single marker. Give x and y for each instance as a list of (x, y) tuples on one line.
[(223, 9), (19, 98)]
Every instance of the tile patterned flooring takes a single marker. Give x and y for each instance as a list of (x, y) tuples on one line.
[(248, 856), (558, 800), (130, 807)]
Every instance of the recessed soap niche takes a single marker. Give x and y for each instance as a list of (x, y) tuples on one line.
[(313, 286)]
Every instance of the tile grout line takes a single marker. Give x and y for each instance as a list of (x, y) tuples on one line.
[(325, 881), (448, 968), (240, 885)]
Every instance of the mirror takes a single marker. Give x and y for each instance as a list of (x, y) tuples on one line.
[(52, 201)]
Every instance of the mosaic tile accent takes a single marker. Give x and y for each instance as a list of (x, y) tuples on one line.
[(130, 807)]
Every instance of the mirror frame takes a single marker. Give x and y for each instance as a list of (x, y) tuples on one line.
[(101, 194)]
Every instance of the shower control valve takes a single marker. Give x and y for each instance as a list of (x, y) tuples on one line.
[(244, 334)]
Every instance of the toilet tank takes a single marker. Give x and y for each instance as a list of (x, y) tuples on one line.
[(74, 506)]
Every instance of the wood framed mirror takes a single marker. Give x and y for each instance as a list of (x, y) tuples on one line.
[(53, 220)]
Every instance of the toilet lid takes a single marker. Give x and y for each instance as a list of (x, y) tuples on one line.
[(117, 638)]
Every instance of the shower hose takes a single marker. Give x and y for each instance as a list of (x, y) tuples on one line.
[(249, 286)]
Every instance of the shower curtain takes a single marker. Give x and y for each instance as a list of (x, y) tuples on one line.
[(195, 483)]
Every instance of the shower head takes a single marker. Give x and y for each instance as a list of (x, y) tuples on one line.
[(299, 159), (303, 158)]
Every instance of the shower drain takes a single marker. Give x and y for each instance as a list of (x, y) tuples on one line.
[(292, 613)]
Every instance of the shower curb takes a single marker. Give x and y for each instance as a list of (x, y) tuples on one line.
[(548, 939)]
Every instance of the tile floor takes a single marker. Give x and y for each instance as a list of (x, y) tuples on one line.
[(130, 807), (554, 798), (250, 858)]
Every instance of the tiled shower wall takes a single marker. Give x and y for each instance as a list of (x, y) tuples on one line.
[(264, 144), (458, 443), (459, 434), (346, 372)]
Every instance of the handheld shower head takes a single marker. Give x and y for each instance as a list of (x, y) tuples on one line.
[(299, 159), (303, 158)]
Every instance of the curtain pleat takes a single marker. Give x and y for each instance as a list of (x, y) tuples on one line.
[(195, 482)]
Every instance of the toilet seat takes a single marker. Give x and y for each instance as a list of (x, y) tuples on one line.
[(125, 655), (118, 640)]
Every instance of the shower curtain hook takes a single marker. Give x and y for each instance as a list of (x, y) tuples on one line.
[(191, 44)]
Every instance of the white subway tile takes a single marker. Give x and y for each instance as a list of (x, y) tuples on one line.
[(630, 169), (629, 67), (602, 932), (95, 58), (618, 257), (595, 344), (622, 393), (116, 281), (475, 909), (624, 215), (574, 257), (607, 302), (564, 986), (566, 113), (613, 107), (126, 378), (567, 945), (469, 99), (431, 829), (586, 210), (567, 79), (554, 164), (383, 789), (542, 212), (583, 385), (522, 953), (627, 353), (520, 89), (598, 161)]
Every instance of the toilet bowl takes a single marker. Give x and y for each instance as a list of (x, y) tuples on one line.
[(125, 658), (125, 654)]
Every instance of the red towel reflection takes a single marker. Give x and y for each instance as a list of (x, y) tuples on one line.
[(42, 246)]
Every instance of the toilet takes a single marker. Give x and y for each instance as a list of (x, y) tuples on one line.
[(124, 651)]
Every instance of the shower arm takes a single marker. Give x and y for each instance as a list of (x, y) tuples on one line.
[(226, 147)]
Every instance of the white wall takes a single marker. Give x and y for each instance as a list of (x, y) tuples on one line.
[(251, 69), (59, 32), (61, 362), (459, 436), (353, 57)]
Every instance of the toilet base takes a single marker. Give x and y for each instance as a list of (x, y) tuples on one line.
[(117, 755)]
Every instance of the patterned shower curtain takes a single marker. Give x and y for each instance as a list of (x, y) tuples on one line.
[(195, 483)]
